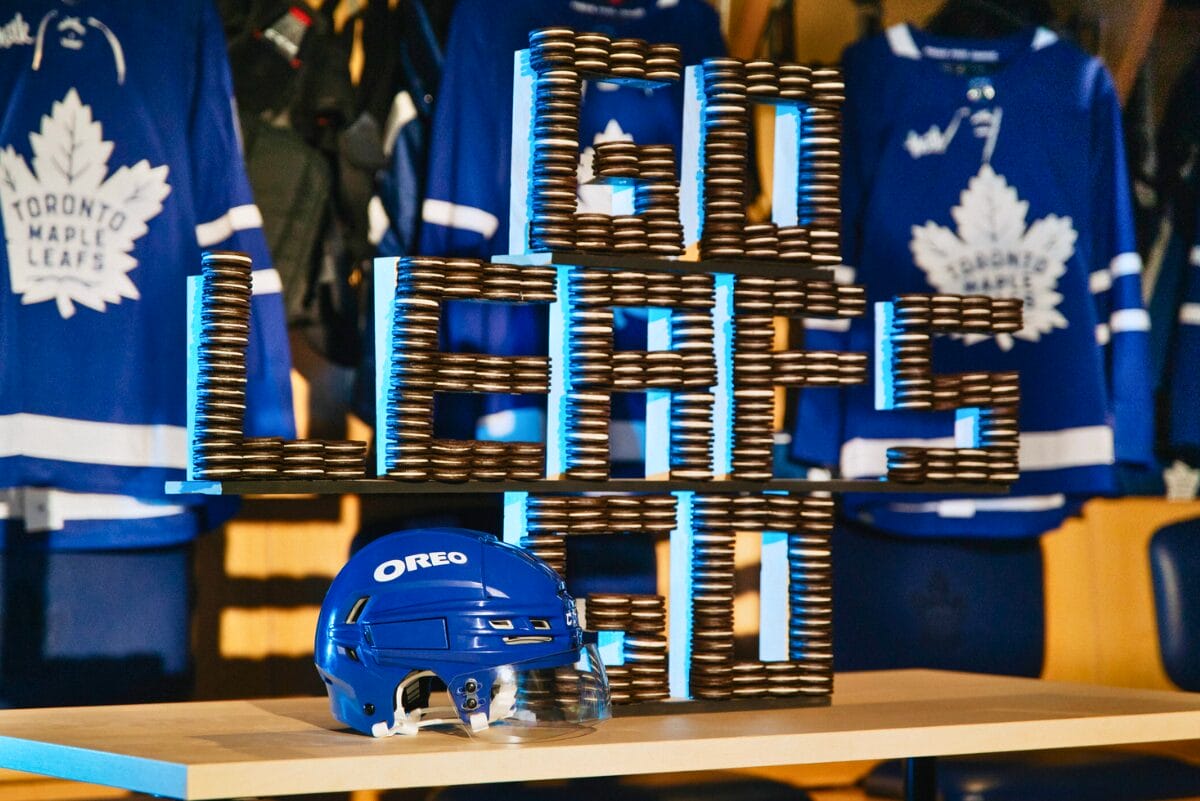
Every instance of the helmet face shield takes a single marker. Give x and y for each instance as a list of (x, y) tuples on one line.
[(543, 698)]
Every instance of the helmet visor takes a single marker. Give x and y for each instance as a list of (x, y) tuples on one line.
[(551, 696)]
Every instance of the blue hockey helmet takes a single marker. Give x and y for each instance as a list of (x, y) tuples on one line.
[(436, 626)]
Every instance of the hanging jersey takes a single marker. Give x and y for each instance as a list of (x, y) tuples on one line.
[(119, 164), (992, 167), (466, 208), (1183, 437)]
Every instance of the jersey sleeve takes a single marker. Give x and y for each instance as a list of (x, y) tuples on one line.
[(227, 219), (1123, 324), (1183, 435), (466, 199)]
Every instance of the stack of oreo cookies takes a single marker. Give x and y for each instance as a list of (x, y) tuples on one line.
[(818, 368), (712, 597), (592, 52), (479, 460), (658, 513), (992, 464), (810, 595), (999, 435), (692, 436), (793, 244), (974, 390), (612, 612), (638, 371), (656, 199), (558, 93), (795, 82), (416, 320), (762, 241), (664, 62), (617, 159), (593, 232), (692, 335), (627, 58), (221, 363), (646, 648), (725, 135), (629, 234), (546, 525), (513, 284), (749, 680), (608, 612), (463, 279), (911, 353), (345, 459), (475, 372), (753, 389), (629, 288), (851, 300), (262, 459), (664, 290), (762, 80), (821, 165), (304, 458), (588, 404)]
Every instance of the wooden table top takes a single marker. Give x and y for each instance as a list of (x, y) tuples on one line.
[(228, 749)]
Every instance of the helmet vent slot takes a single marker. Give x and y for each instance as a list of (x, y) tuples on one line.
[(356, 610), (502, 623), (540, 623)]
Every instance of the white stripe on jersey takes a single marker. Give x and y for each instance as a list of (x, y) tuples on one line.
[(967, 507), (900, 39), (402, 112), (1195, 256), (466, 218), (1103, 334), (238, 218), (1121, 265), (377, 220), (88, 442), (1125, 264), (1040, 450), (1043, 38), (1129, 320), (1189, 314), (47, 509), (266, 282)]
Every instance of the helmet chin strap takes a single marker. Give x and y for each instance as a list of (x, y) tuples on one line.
[(409, 723)]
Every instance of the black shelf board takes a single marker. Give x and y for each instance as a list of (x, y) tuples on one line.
[(695, 706), (651, 264), (383, 486)]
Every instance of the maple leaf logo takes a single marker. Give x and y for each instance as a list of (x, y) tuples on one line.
[(993, 253), (69, 230)]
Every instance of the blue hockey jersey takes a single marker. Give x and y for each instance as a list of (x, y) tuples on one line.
[(992, 167), (119, 164), (1183, 368), (465, 212)]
